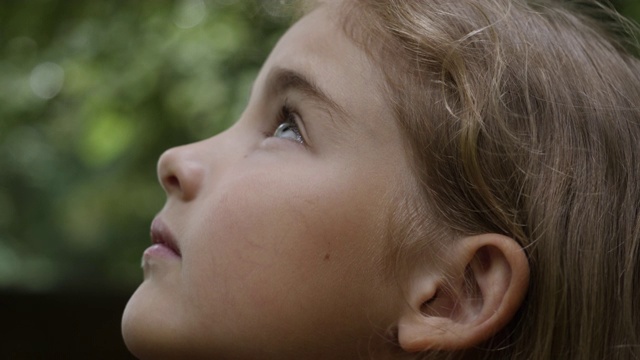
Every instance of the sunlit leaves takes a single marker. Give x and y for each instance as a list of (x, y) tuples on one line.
[(107, 136), (91, 93)]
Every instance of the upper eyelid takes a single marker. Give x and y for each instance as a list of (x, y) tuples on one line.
[(281, 81), (298, 121)]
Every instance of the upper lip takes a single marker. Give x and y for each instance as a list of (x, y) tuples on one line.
[(160, 234)]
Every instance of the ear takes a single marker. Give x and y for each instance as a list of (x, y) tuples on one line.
[(470, 297)]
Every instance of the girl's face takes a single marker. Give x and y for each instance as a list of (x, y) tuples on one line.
[(282, 221)]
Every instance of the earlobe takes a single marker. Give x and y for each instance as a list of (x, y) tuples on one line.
[(473, 295)]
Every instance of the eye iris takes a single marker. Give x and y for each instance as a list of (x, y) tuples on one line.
[(282, 128), (288, 130)]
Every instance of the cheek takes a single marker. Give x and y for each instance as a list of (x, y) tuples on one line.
[(273, 245)]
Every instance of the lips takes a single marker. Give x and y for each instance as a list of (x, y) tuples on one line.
[(161, 235)]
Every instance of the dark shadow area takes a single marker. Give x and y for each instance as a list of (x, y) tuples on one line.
[(62, 325)]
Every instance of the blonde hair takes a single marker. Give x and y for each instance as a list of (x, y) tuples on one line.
[(523, 118)]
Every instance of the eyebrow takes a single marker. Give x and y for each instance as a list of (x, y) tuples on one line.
[(281, 80)]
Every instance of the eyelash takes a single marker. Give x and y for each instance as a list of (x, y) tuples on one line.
[(288, 115)]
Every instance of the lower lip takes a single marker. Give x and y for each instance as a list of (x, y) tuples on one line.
[(159, 251)]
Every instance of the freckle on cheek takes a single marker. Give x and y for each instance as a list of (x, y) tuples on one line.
[(327, 256)]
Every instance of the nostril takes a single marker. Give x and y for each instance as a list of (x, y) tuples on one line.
[(172, 181)]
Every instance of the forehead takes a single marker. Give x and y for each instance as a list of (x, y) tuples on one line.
[(317, 47)]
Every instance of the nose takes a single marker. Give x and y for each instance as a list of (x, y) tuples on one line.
[(180, 173)]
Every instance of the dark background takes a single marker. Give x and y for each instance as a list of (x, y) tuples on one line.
[(91, 93)]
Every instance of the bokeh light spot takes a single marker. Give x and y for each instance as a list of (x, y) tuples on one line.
[(107, 137), (190, 13), (46, 80)]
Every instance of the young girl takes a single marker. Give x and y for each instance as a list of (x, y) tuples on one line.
[(410, 179)]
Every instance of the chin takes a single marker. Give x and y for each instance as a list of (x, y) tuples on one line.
[(146, 331), (134, 327), (153, 328)]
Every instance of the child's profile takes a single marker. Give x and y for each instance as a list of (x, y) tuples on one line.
[(409, 180)]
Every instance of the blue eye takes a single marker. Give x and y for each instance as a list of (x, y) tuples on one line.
[(288, 126)]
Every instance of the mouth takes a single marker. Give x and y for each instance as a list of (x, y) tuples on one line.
[(162, 236)]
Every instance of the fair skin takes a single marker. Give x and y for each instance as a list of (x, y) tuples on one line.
[(281, 241), (282, 234)]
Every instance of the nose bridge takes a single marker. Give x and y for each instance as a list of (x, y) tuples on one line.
[(184, 170), (181, 171)]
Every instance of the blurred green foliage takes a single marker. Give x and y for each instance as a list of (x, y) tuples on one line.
[(91, 93)]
